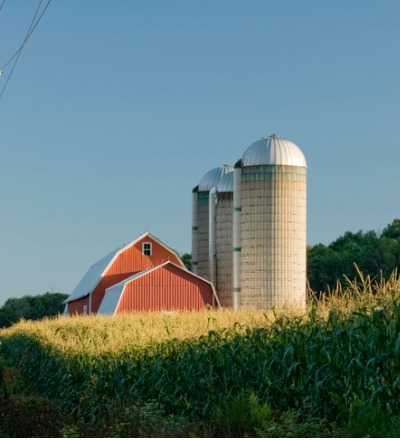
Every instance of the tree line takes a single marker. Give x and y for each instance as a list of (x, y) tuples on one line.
[(374, 253), (31, 307)]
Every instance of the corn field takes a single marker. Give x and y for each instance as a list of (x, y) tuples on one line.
[(342, 355)]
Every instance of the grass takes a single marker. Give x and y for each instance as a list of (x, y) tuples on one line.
[(333, 371)]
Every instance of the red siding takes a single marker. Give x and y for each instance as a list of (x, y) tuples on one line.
[(129, 262), (106, 282), (76, 307), (166, 288), (132, 260)]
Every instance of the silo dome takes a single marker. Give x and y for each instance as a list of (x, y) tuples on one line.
[(213, 177), (226, 183), (274, 150)]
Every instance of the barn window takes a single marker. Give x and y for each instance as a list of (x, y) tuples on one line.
[(146, 249), (85, 309)]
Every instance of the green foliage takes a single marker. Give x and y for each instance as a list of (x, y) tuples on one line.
[(298, 424), (146, 419), (31, 416), (241, 416), (372, 253), (31, 307), (187, 260), (370, 420), (2, 369)]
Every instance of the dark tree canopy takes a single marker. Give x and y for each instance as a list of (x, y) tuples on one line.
[(371, 252), (31, 307), (187, 260)]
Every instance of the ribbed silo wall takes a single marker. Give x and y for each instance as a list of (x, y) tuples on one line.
[(202, 235), (273, 237), (223, 242), (236, 235), (195, 227), (212, 250)]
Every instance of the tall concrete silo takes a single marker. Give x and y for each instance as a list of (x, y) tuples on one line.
[(200, 219), (269, 226), (220, 238)]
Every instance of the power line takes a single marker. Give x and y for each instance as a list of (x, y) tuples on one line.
[(12, 70), (2, 4), (28, 34), (17, 54)]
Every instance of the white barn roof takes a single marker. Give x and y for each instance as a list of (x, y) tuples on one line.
[(92, 277)]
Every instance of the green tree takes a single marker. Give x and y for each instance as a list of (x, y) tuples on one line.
[(187, 260), (389, 247), (371, 252), (31, 307), (320, 265)]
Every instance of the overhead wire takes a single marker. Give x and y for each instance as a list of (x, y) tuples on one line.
[(17, 54), (2, 4), (28, 34)]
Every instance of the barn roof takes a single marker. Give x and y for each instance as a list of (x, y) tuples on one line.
[(93, 276), (113, 294)]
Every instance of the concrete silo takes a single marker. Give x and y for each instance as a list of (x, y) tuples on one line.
[(269, 226), (200, 219), (220, 238)]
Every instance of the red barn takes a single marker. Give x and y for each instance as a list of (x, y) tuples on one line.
[(150, 275), (164, 287)]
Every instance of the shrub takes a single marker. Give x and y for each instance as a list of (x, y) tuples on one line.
[(31, 416), (241, 416), (368, 419)]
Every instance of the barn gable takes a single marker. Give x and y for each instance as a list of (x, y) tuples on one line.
[(164, 287), (143, 253)]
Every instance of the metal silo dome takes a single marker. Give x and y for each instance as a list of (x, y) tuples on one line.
[(226, 183), (213, 177), (274, 150)]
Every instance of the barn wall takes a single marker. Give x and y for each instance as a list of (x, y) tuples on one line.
[(166, 288), (76, 307), (106, 282)]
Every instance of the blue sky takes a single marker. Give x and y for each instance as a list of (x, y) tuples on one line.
[(116, 110)]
